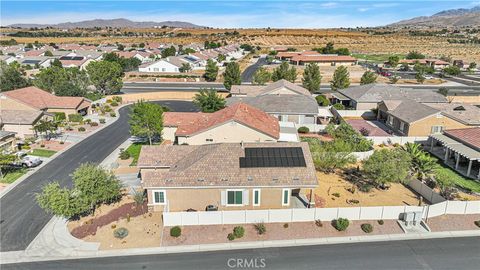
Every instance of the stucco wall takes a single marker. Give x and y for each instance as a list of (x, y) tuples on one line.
[(168, 133), (198, 199), (21, 130), (230, 132), (424, 127)]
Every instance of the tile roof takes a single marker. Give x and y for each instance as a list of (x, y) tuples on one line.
[(257, 90), (465, 113), (410, 111), (40, 99), (192, 123), (323, 58), (216, 165), (286, 104), (470, 136), (22, 117), (376, 92)]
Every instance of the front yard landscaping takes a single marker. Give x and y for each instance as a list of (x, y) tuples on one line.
[(42, 153), (11, 175), (134, 152)]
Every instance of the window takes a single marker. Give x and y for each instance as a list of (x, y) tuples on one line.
[(390, 120), (256, 197), (402, 126), (285, 196), (164, 69), (234, 197), (159, 197), (155, 69), (209, 140), (437, 129)]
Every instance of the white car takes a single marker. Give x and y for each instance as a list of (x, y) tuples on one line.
[(428, 77), (28, 162)]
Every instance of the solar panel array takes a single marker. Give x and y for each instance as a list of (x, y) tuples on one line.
[(261, 157), (77, 58)]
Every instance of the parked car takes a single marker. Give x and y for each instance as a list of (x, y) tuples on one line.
[(428, 77), (28, 162)]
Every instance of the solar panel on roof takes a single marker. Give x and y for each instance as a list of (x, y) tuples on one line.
[(259, 157)]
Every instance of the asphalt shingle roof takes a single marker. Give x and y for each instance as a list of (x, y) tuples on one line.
[(375, 92)]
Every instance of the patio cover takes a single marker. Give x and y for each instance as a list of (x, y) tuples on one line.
[(457, 147), (340, 96), (444, 139)]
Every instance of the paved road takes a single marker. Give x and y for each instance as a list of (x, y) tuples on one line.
[(449, 253), (21, 217), (247, 75), (129, 87)]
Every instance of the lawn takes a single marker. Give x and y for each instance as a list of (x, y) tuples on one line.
[(134, 151), (378, 58), (12, 176), (458, 179), (42, 153)]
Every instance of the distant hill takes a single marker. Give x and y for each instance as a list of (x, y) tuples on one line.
[(117, 23), (447, 18)]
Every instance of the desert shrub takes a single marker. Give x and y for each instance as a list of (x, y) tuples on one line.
[(368, 228), (77, 118), (303, 130), (322, 100), (60, 116), (26, 147), (341, 224), (339, 106), (113, 114), (285, 225), (336, 194), (353, 201), (318, 223), (113, 226), (175, 231), (238, 232), (120, 233), (101, 120), (231, 237), (117, 99), (381, 222), (109, 101), (114, 104), (87, 121), (81, 129), (260, 227), (365, 187), (139, 196), (124, 155), (42, 145), (61, 142), (107, 108), (93, 124), (128, 217)]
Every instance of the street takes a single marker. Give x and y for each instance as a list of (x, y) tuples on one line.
[(22, 218), (445, 253), (139, 87), (247, 75)]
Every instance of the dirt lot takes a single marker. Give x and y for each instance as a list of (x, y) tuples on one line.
[(144, 230), (329, 184), (210, 234)]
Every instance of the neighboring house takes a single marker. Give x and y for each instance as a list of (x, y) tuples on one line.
[(237, 123), (435, 63), (226, 176), (324, 60), (162, 65), (40, 61), (7, 140), (411, 118), (20, 122), (35, 99), (284, 100), (8, 58), (367, 97), (75, 61), (459, 149), (142, 56)]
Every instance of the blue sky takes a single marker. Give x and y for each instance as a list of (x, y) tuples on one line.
[(224, 14)]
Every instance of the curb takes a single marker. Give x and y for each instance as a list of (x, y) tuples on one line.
[(29, 173), (21, 256)]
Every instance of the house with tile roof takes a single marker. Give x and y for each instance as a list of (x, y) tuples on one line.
[(234, 124), (227, 176), (411, 118), (459, 149), (35, 99), (20, 122), (282, 99)]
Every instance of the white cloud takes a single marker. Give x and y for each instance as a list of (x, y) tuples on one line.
[(328, 4), (363, 9)]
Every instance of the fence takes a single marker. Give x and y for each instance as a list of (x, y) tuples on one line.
[(312, 214), (367, 114), (312, 127), (400, 140), (426, 192)]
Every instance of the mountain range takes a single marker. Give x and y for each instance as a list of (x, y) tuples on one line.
[(447, 18), (116, 23)]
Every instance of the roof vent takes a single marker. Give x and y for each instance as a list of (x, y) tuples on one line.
[(459, 108), (249, 178), (224, 179), (296, 179), (275, 179), (201, 180), (169, 180)]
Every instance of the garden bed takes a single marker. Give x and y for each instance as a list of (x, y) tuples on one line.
[(333, 188), (210, 234)]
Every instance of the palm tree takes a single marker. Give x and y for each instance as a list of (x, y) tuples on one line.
[(209, 101), (423, 165)]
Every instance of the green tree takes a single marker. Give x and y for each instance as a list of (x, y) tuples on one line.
[(185, 68), (11, 78), (452, 70), (386, 166), (96, 185), (232, 75), (127, 64), (211, 71), (443, 91), (422, 164), (393, 61), (5, 161), (120, 47), (283, 72), (221, 58), (61, 201), (105, 76), (341, 78), (56, 63), (63, 81), (312, 78), (472, 65), (328, 156), (368, 77), (261, 76), (146, 120), (414, 55), (339, 106), (322, 100), (48, 53), (169, 52), (420, 77), (209, 101)]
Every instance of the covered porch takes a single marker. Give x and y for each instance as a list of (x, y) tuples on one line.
[(463, 159)]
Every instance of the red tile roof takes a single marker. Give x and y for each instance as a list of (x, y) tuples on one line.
[(192, 123), (323, 58), (40, 99), (469, 136)]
